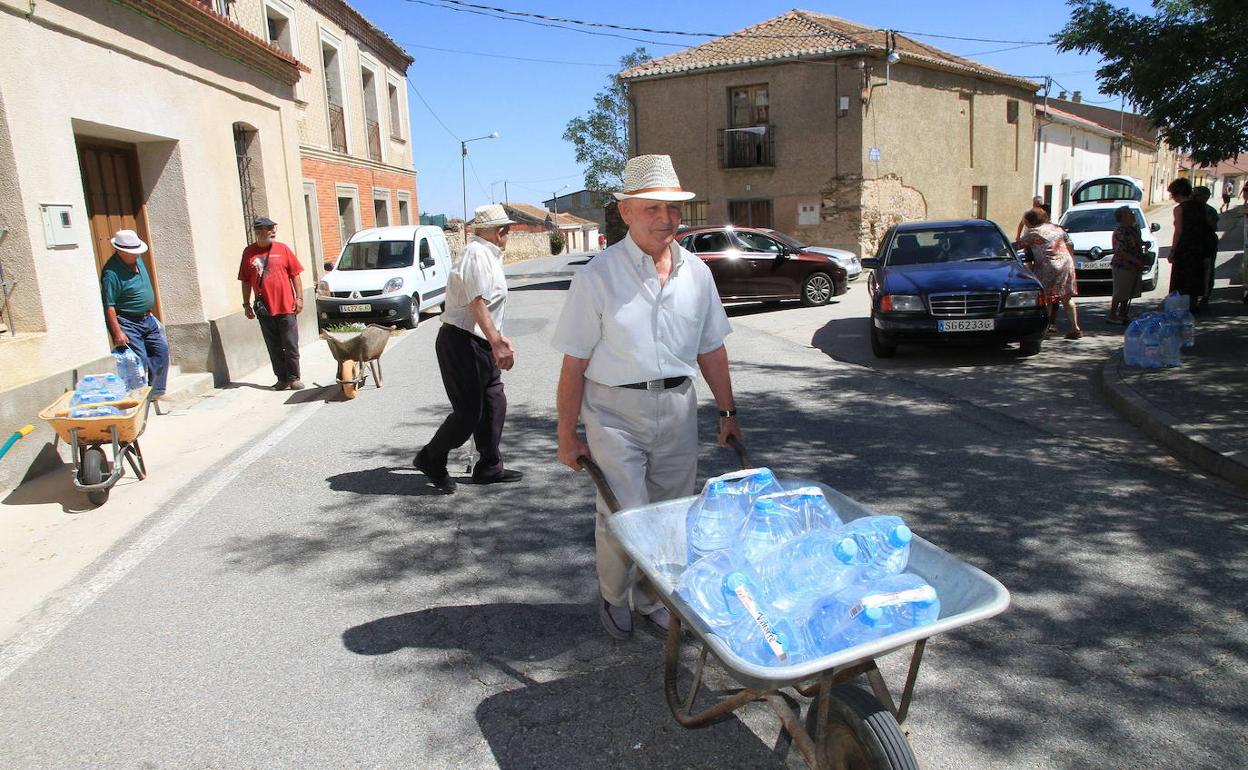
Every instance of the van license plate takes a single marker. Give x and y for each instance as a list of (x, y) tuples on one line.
[(355, 308), (969, 325)]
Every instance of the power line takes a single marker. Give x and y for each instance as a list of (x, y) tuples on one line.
[(974, 39), (431, 112), (512, 58), (544, 24), (480, 186)]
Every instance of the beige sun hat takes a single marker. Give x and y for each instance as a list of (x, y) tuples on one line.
[(490, 215), (652, 177), (129, 242)]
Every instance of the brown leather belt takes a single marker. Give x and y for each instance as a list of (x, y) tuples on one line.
[(667, 384)]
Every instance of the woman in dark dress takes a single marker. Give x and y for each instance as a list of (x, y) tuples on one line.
[(1187, 250)]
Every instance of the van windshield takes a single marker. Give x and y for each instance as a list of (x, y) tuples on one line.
[(376, 255), (1097, 220)]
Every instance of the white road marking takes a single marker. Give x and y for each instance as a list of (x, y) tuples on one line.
[(72, 601)]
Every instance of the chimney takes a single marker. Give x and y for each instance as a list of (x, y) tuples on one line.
[(1061, 95), (1076, 97)]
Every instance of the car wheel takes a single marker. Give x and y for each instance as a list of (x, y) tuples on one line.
[(879, 347), (817, 289), (1149, 284), (413, 320), (1031, 345)]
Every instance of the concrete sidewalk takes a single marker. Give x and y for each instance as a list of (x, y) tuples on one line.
[(49, 533), (1198, 411)]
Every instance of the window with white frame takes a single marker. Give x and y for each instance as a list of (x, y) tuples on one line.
[(395, 103), (279, 19), (381, 207), (405, 208), (335, 94), (348, 211), (372, 120)]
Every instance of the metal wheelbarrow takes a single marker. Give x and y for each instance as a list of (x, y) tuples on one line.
[(352, 350)]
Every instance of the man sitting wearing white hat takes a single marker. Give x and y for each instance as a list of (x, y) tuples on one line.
[(640, 321), (471, 352), (128, 299)]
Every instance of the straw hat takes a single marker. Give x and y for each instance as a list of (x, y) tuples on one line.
[(129, 242), (490, 215), (652, 177)]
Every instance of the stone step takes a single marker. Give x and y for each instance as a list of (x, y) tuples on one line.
[(183, 390)]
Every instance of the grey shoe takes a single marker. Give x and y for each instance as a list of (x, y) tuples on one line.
[(658, 622), (295, 385), (618, 621), (281, 385)]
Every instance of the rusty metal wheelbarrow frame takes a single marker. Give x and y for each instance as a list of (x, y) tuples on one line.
[(968, 593), (352, 350)]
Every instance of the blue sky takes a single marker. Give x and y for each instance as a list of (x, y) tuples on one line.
[(530, 102)]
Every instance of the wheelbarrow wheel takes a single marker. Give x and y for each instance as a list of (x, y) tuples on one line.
[(861, 733), (94, 466), (347, 377)]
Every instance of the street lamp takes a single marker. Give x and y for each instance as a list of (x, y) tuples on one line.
[(463, 184), (555, 200)]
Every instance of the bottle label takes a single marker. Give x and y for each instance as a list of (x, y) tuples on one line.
[(739, 587), (919, 594)]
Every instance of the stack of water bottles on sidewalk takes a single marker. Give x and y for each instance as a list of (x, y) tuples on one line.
[(778, 576), (1153, 340), (95, 393)]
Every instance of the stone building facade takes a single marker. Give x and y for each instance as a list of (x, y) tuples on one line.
[(802, 124)]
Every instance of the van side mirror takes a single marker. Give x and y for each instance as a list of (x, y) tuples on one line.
[(870, 263), (1154, 227), (427, 262), (328, 266)]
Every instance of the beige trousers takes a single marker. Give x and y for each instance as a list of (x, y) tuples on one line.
[(646, 442)]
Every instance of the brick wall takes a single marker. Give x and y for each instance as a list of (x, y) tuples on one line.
[(328, 175)]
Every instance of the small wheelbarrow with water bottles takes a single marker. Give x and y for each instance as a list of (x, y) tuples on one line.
[(845, 726), (95, 471), (353, 350)]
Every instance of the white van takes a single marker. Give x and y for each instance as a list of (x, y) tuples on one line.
[(385, 275), (1091, 224)]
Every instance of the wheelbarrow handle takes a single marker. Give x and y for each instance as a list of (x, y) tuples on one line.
[(608, 494)]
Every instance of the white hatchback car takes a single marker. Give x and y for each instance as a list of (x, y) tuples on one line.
[(1091, 224), (386, 275)]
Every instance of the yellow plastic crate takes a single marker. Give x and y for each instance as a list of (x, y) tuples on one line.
[(96, 430)]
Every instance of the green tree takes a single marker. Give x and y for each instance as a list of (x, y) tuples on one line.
[(601, 137), (1180, 66)]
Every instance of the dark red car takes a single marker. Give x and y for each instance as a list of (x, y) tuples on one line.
[(750, 265)]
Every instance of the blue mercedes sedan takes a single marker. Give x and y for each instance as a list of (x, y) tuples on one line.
[(952, 281)]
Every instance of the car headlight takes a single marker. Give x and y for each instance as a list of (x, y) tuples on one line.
[(901, 303), (392, 285), (322, 289), (1023, 299)]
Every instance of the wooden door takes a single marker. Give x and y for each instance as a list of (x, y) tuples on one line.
[(110, 180)]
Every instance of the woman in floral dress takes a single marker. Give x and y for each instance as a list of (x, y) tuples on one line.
[(1054, 265)]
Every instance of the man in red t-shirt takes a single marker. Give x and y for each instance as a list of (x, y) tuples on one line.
[(270, 270)]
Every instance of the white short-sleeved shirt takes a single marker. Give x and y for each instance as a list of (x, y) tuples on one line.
[(477, 272), (631, 328)]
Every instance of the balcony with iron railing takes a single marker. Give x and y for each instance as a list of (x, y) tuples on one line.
[(747, 147), (337, 128), (374, 139)]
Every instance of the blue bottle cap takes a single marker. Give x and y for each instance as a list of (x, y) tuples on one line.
[(871, 616), (900, 535), (845, 550)]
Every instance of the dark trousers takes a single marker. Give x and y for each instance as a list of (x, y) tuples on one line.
[(281, 337), (474, 386), (147, 339)]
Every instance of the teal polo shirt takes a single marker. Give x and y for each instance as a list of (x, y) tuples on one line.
[(128, 291)]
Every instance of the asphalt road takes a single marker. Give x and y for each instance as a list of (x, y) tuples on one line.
[(326, 609)]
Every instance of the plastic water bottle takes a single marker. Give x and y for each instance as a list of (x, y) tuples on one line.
[(809, 567), (702, 585), (869, 611), (1133, 343), (130, 368), (1151, 355), (1171, 339), (1188, 322), (768, 526), (101, 383), (714, 520), (810, 504), (883, 545), (93, 411), (762, 634)]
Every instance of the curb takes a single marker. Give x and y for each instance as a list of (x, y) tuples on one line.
[(1165, 428)]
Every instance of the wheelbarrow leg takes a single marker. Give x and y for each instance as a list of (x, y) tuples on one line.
[(375, 365), (135, 457)]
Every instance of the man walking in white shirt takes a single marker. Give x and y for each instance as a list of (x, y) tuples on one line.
[(640, 321), (472, 354)]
